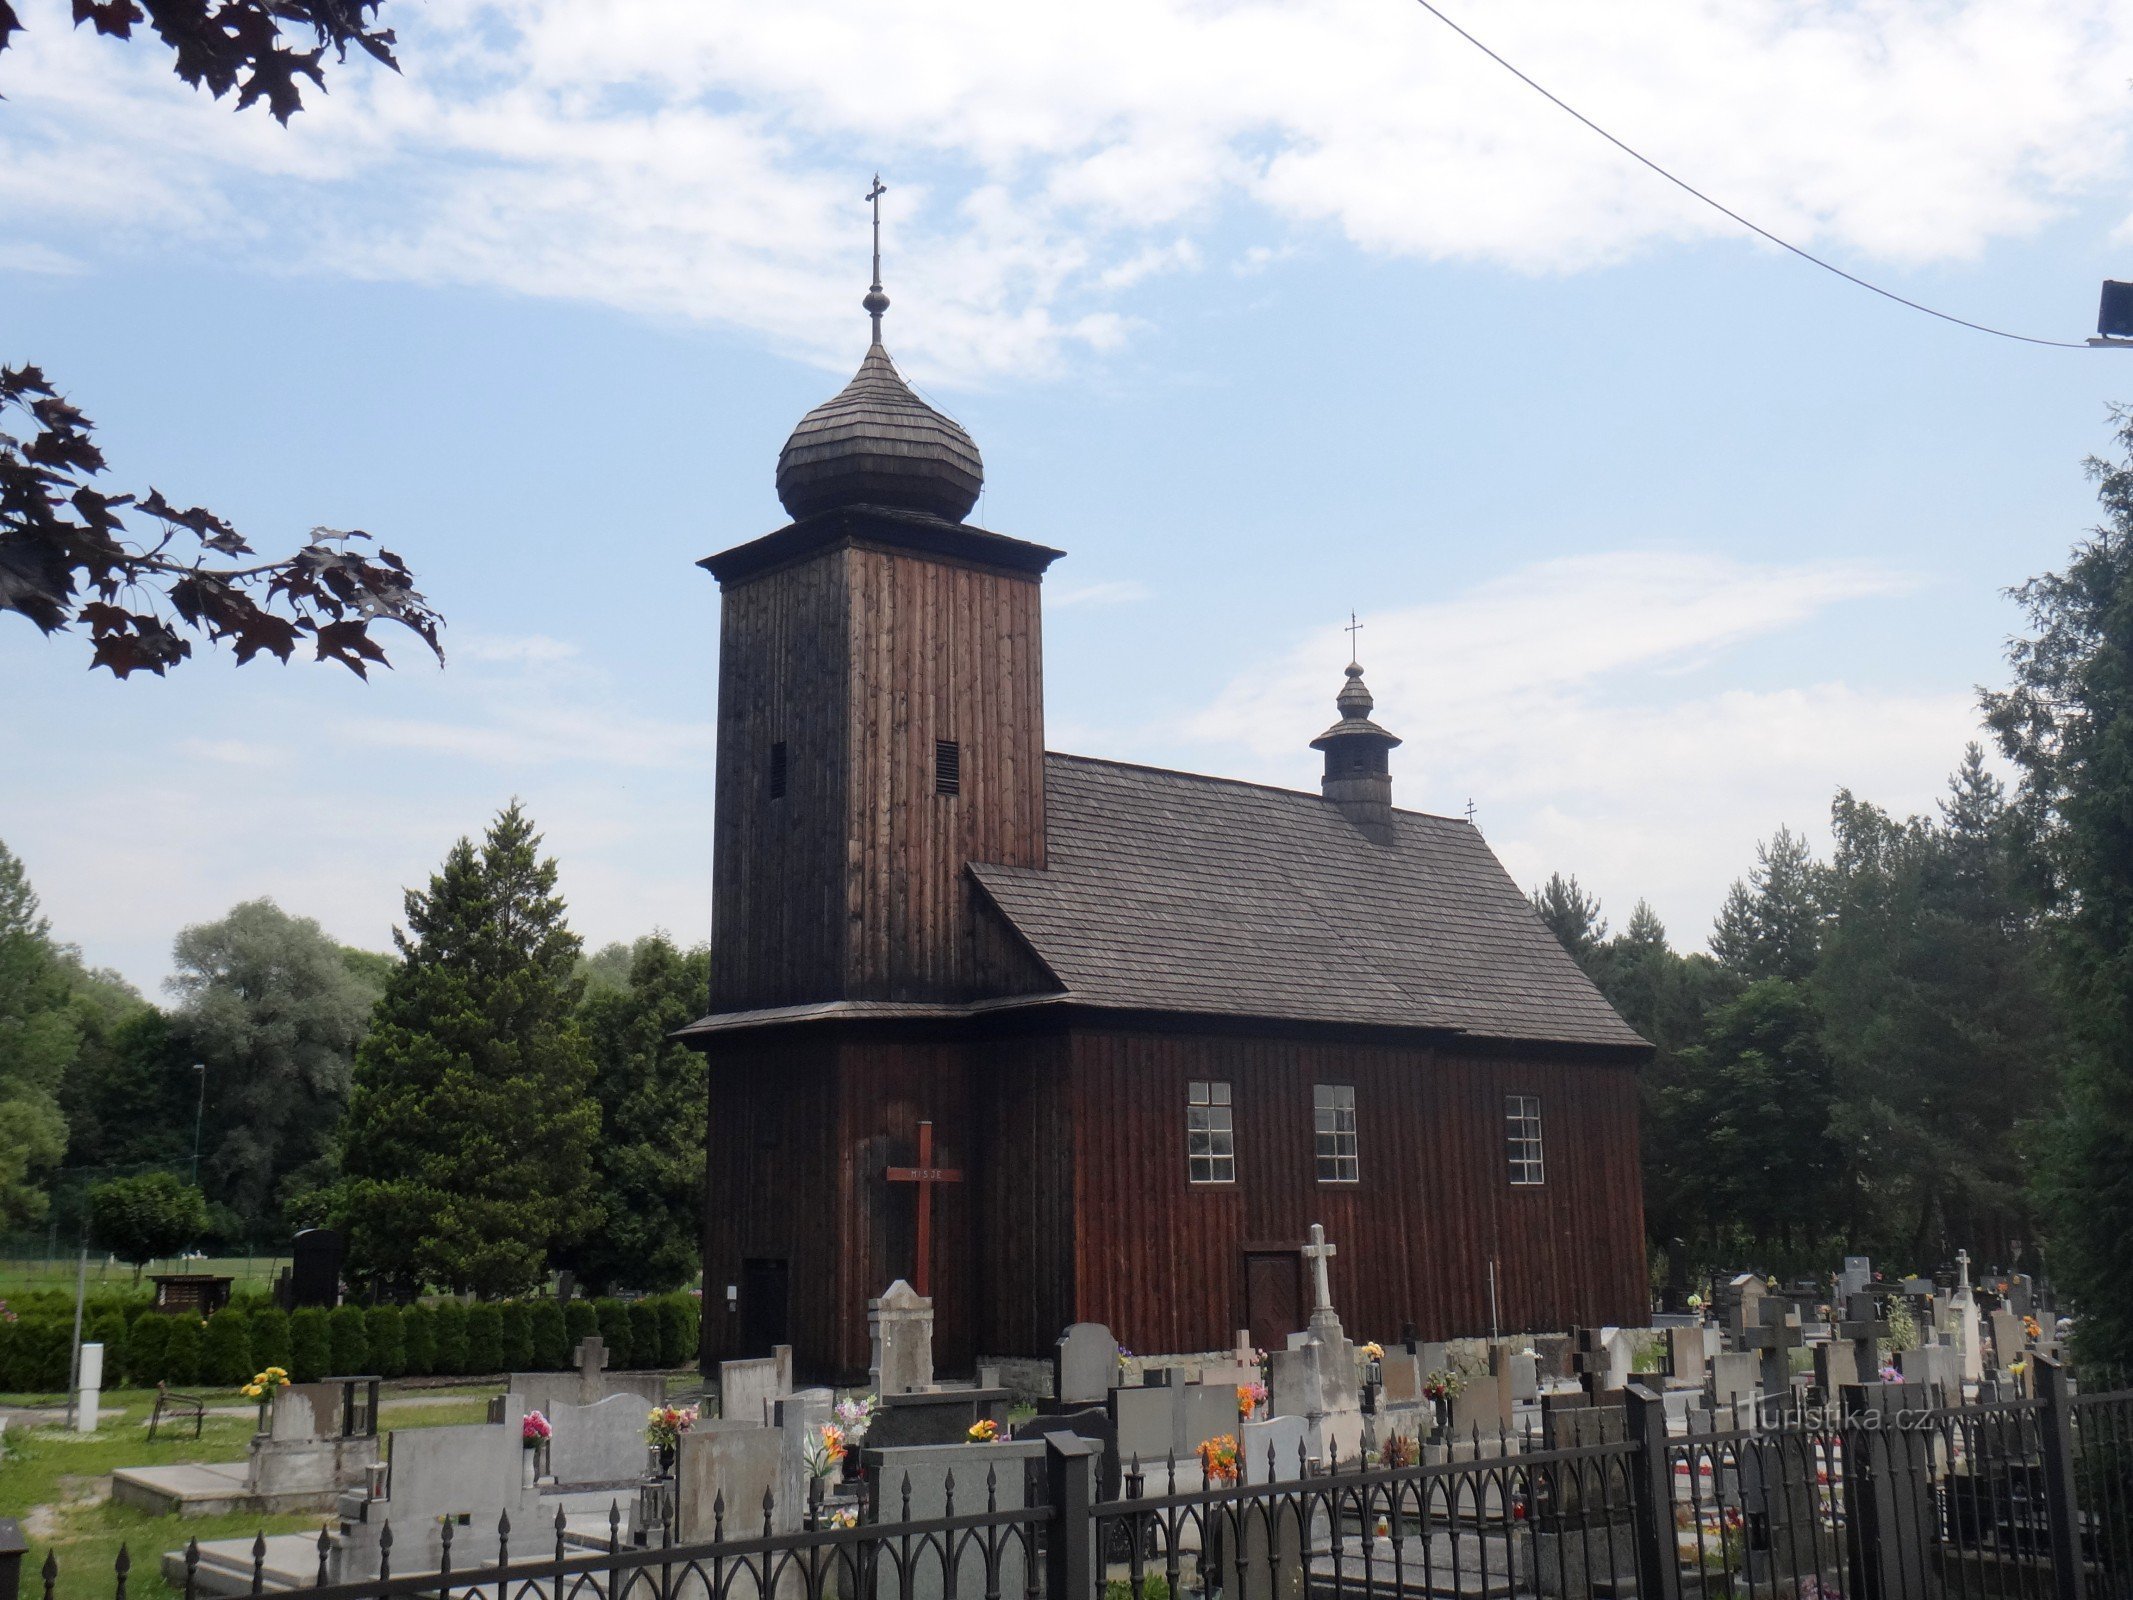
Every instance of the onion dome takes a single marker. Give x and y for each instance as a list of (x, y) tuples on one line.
[(878, 444)]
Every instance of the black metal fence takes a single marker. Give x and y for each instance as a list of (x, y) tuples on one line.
[(1873, 1499)]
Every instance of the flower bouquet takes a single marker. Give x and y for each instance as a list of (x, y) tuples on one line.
[(1399, 1450), (1218, 1459), (856, 1416), (535, 1430), (985, 1432), (826, 1450), (663, 1428), (1250, 1397), (263, 1384)]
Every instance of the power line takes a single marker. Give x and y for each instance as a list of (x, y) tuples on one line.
[(1683, 184)]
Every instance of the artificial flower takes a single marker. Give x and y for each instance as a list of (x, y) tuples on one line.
[(985, 1432)]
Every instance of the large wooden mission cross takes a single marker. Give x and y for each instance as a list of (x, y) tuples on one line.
[(925, 1175)]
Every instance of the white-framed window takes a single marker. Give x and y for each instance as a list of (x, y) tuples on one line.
[(1522, 1138), (1210, 1136), (1333, 1108)]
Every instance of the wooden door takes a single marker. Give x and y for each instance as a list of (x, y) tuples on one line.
[(766, 1303), (1273, 1296)]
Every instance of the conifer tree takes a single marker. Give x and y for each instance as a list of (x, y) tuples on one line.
[(649, 1159), (471, 1124), (1572, 915), (2068, 723), (1770, 926)]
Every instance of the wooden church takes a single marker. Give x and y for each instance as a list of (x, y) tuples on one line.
[(1064, 1039)]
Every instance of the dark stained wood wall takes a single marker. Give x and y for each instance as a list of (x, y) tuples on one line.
[(778, 866), (859, 658), (939, 650), (1159, 1260)]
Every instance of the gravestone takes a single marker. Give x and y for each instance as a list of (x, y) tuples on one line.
[(315, 1268), (1579, 1541), (1685, 1356), (920, 1476), (1836, 1365), (730, 1465), (1145, 1423), (600, 1444), (1084, 1365), (1204, 1411), (747, 1389), (799, 1419), (1400, 1378), (900, 1325), (1621, 1357), (2009, 1339), (1775, 1340), (2021, 1295), (302, 1450), (462, 1476), (1856, 1278), (1284, 1436), (1734, 1377), (1962, 1325), (1937, 1368), (934, 1416), (88, 1387)]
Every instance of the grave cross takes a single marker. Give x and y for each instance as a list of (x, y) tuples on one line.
[(1863, 1325), (1590, 1362), (1962, 1266), (1779, 1333), (925, 1175), (1318, 1252)]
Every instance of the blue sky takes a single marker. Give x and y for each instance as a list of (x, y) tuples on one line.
[(1260, 312)]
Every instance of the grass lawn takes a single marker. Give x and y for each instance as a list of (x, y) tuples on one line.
[(59, 1484), (19, 1273)]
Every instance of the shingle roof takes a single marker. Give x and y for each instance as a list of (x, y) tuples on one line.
[(877, 443), (1175, 892)]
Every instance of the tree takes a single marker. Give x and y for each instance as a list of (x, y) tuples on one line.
[(1572, 915), (1751, 1115), (66, 554), (2067, 723), (274, 1009), (145, 1218), (467, 1148), (1769, 927), (648, 1160), (38, 1036)]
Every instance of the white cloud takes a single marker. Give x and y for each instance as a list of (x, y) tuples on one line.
[(705, 160), (1580, 705), (1116, 592)]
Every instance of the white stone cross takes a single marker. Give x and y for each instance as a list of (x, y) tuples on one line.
[(1317, 1252), (1962, 1262)]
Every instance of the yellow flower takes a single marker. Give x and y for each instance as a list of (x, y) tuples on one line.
[(1374, 1350)]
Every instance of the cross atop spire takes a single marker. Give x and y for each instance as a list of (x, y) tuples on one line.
[(876, 302), (1354, 628)]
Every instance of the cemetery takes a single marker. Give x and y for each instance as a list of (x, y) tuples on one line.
[(1738, 1444)]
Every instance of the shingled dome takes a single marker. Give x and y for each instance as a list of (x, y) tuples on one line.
[(878, 444)]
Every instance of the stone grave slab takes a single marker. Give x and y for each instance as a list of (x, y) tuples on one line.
[(1735, 1375), (602, 1443), (900, 1325), (1204, 1411), (1084, 1365), (933, 1417), (1284, 1436), (740, 1462), (925, 1472), (1145, 1422), (746, 1389)]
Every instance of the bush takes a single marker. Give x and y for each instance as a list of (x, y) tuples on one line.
[(388, 1341), (181, 1361), (451, 1337), (580, 1322), (349, 1341), (147, 1349), (677, 1330), (418, 1340), (645, 1338), (108, 1329), (310, 1344), (485, 1337), (34, 1358), (226, 1350), (517, 1336), (615, 1332), (270, 1339), (550, 1333)]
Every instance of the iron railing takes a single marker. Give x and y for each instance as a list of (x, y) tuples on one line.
[(2022, 1496)]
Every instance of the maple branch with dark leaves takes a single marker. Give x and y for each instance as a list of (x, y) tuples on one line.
[(222, 45), (65, 557)]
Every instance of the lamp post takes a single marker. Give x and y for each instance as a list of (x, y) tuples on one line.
[(199, 1114)]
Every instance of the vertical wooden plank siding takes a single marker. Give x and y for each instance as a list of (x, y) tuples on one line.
[(1160, 1260), (778, 865), (939, 651)]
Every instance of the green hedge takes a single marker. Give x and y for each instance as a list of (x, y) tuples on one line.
[(448, 1338), (310, 1344)]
